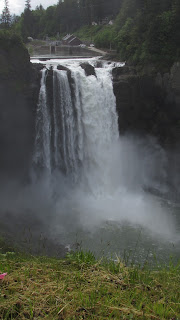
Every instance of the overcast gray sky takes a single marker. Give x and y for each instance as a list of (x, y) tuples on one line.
[(17, 6)]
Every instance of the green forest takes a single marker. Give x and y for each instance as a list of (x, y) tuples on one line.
[(141, 31)]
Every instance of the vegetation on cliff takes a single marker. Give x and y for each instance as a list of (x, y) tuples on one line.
[(149, 31), (144, 32), (14, 57)]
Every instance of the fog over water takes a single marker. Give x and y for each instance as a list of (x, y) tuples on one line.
[(102, 199)]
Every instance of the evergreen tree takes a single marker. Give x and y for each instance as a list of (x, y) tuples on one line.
[(28, 5), (6, 17), (27, 21)]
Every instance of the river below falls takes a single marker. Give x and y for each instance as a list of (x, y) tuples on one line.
[(91, 223), (132, 239)]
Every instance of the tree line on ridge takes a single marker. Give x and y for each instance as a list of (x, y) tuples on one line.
[(143, 31)]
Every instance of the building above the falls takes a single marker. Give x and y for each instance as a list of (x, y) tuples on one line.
[(71, 40)]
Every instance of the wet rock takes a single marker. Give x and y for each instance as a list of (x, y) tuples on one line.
[(89, 70), (147, 104), (118, 72), (99, 64), (70, 78), (59, 67)]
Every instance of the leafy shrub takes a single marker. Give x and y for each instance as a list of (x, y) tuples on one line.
[(9, 39), (105, 38)]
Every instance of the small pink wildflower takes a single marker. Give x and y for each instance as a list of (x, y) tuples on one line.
[(3, 275)]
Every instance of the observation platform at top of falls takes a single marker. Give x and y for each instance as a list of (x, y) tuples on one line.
[(45, 52)]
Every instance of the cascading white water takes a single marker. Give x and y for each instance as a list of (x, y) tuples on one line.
[(64, 123), (97, 128), (82, 127), (42, 150)]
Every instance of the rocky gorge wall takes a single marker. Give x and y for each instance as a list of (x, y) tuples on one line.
[(149, 104), (19, 87)]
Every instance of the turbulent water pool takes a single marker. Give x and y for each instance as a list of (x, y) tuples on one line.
[(138, 228), (132, 243)]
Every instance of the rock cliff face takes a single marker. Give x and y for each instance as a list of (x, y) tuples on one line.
[(170, 83), (149, 104), (19, 86)]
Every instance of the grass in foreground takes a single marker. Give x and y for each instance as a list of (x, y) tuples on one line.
[(79, 287)]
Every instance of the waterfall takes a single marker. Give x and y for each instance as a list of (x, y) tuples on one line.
[(87, 176), (64, 123), (42, 150), (75, 133)]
